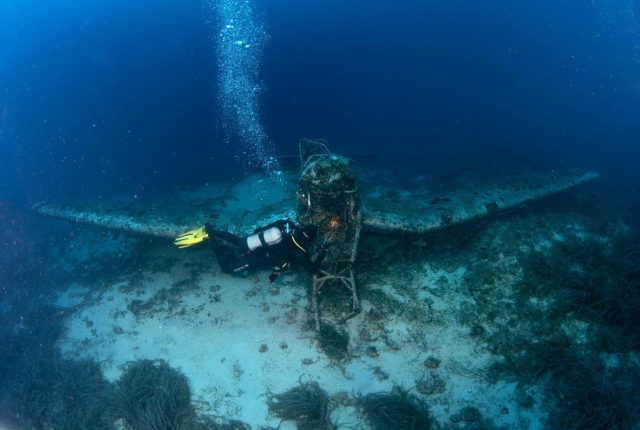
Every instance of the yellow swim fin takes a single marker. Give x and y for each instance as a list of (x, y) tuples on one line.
[(191, 238)]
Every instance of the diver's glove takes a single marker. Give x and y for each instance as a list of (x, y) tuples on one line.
[(192, 237)]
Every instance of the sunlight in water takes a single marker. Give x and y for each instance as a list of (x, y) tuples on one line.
[(239, 42)]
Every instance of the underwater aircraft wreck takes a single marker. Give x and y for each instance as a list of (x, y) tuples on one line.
[(327, 193)]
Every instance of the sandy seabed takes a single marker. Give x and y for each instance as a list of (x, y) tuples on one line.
[(239, 338)]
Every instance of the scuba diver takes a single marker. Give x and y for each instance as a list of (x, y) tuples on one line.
[(276, 246)]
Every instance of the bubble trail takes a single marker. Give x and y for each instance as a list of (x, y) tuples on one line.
[(239, 43)]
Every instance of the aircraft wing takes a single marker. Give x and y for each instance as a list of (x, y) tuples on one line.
[(238, 206), (430, 206)]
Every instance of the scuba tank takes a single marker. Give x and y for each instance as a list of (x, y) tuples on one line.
[(268, 237)]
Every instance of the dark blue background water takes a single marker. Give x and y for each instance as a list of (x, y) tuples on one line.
[(110, 96)]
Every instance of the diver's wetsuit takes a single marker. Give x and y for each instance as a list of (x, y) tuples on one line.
[(235, 256)]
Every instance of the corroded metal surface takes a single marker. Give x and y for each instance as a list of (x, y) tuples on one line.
[(391, 210), (328, 197), (236, 206), (239, 206)]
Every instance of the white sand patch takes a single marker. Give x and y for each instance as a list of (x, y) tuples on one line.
[(236, 339), (215, 341)]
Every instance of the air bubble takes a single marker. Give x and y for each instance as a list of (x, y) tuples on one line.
[(239, 82)]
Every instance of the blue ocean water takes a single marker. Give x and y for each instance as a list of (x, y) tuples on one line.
[(140, 98), (103, 95)]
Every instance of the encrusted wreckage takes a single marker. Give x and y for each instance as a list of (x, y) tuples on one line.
[(327, 195)]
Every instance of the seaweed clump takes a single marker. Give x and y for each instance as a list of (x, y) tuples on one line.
[(41, 389), (51, 392), (206, 423), (334, 342), (307, 404), (395, 410), (150, 395), (597, 282), (593, 286), (591, 396)]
